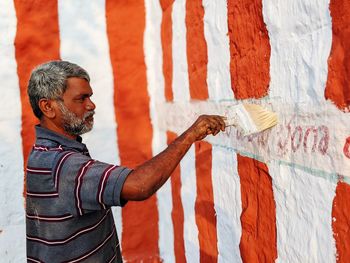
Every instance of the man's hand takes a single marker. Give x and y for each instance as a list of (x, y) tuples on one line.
[(205, 125)]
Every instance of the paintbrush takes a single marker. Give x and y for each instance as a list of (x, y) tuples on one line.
[(250, 118)]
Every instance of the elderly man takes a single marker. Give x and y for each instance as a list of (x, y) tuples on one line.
[(69, 194)]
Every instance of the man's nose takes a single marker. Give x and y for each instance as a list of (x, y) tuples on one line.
[(90, 105)]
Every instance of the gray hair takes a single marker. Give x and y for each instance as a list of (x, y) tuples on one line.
[(49, 81)]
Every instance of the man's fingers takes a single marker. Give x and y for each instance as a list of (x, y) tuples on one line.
[(208, 124), (216, 132), (217, 123), (221, 121)]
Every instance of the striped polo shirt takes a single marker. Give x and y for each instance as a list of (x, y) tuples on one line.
[(69, 195)]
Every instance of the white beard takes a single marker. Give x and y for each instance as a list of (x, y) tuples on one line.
[(74, 125)]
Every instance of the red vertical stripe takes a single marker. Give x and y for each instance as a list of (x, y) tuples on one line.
[(37, 41), (341, 224), (204, 206), (250, 65), (250, 49), (125, 28), (338, 82), (167, 38), (177, 213), (338, 91), (197, 58), (258, 218)]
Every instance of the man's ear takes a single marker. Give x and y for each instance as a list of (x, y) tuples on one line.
[(48, 108)]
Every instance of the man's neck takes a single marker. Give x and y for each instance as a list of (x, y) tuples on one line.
[(58, 129)]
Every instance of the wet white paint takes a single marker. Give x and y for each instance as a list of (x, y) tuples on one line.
[(188, 196), (180, 82), (227, 199), (217, 39), (303, 215), (300, 35)]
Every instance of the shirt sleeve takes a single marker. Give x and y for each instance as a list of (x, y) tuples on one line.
[(87, 185)]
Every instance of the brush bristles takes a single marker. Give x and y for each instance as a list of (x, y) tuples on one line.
[(262, 118)]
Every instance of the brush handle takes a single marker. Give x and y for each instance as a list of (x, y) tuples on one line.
[(231, 121)]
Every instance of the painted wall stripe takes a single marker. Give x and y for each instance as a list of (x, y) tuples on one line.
[(227, 200), (225, 179), (196, 50), (250, 49), (180, 83), (341, 221), (188, 194), (177, 213), (165, 207), (37, 41), (338, 82), (167, 37), (139, 240), (12, 224), (306, 203), (250, 77), (298, 51), (155, 87), (204, 207), (102, 140), (258, 218), (216, 36)]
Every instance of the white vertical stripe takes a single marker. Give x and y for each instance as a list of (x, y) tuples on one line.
[(181, 93), (300, 36), (180, 83), (298, 68), (84, 41), (226, 183), (12, 225), (165, 207), (228, 203), (303, 215), (155, 86), (218, 43), (188, 196)]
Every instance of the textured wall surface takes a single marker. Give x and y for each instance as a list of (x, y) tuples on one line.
[(279, 196)]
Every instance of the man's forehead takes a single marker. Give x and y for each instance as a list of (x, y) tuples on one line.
[(78, 86)]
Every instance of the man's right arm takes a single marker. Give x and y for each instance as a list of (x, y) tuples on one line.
[(147, 178)]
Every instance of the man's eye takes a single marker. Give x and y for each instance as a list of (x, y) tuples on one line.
[(79, 99)]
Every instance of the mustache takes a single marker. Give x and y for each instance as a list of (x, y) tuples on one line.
[(88, 114)]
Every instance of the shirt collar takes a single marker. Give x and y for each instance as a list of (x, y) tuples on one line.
[(46, 134)]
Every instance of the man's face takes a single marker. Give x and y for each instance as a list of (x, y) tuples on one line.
[(77, 109)]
